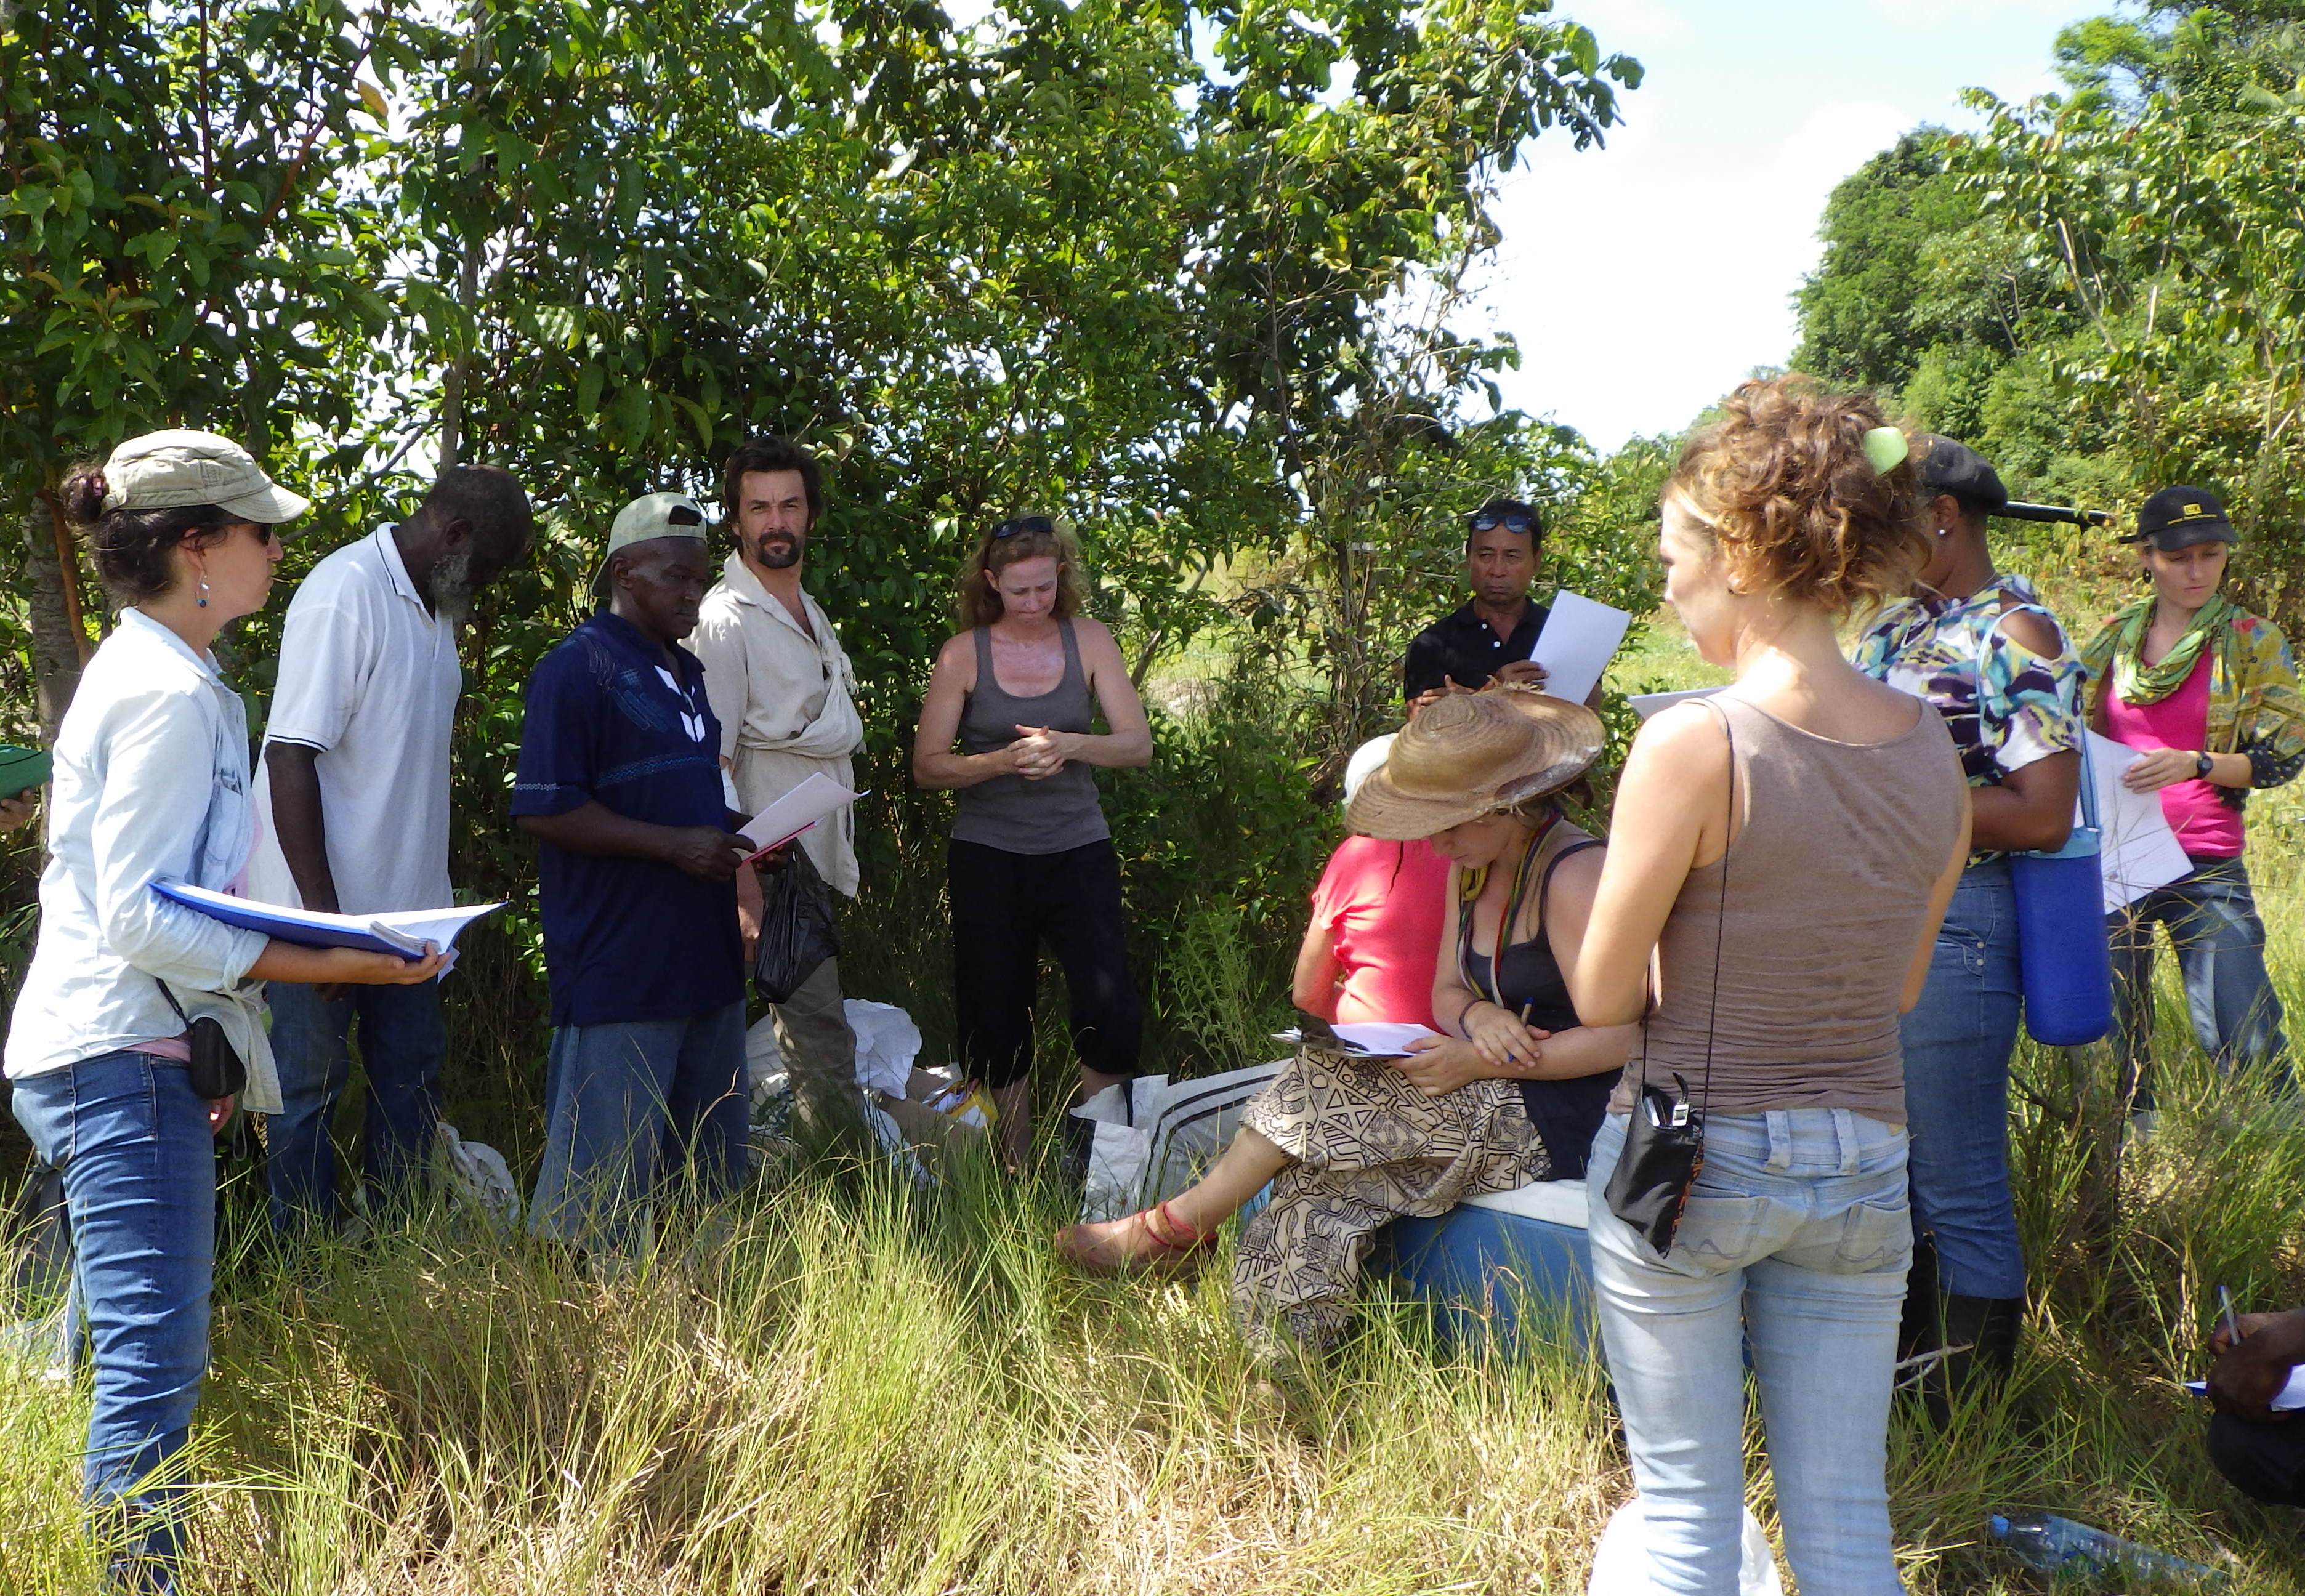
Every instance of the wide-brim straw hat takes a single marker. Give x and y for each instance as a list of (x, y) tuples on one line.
[(1474, 754)]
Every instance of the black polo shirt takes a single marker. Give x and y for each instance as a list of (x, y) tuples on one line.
[(1462, 645)]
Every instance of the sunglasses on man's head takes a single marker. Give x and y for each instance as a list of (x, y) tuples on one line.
[(1512, 521), (1038, 525)]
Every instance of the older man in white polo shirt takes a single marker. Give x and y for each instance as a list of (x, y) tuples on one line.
[(354, 818), (785, 694)]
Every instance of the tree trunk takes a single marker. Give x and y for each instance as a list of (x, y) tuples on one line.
[(59, 641)]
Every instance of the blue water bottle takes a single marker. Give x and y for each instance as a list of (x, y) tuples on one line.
[(2062, 937)]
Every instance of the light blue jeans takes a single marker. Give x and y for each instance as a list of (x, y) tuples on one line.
[(2211, 914), (1796, 1240), (139, 1168), (630, 1107), (1957, 1042)]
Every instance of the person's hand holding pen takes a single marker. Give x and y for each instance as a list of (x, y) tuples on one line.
[(2255, 1354), (1503, 1042)]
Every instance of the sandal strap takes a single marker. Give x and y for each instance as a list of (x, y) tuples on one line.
[(1175, 1227)]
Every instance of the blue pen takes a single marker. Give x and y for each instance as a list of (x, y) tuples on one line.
[(2232, 1325)]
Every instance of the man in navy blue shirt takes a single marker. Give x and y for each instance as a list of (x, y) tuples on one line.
[(620, 783)]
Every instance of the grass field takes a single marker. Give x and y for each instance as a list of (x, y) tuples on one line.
[(842, 1384)]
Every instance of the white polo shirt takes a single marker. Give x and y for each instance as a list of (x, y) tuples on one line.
[(370, 679)]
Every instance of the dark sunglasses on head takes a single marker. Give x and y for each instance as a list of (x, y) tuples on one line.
[(1512, 521), (1037, 525)]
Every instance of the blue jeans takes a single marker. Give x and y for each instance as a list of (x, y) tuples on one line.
[(628, 1105), (1796, 1239), (403, 1039), (1957, 1042), (2220, 942), (139, 1171)]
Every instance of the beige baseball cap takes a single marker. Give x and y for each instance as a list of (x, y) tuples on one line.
[(648, 518), (170, 470)]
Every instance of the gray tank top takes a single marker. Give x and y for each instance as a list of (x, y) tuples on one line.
[(1050, 816), (1828, 879)]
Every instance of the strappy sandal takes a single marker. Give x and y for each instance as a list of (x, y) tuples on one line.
[(1152, 1241)]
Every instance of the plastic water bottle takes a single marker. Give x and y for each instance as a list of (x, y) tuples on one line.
[(2059, 1546)]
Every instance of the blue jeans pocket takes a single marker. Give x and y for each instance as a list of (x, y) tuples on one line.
[(1875, 1235)]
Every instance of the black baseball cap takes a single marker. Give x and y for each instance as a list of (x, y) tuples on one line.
[(1950, 466), (2179, 517)]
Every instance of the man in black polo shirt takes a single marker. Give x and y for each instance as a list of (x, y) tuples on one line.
[(1491, 638)]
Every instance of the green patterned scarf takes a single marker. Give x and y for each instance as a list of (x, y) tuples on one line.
[(2138, 682)]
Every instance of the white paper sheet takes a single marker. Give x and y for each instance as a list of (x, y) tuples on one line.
[(1580, 638), (1645, 704), (2289, 1399), (813, 799), (1378, 1039), (2140, 853)]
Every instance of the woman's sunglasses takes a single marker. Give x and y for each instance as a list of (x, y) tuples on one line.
[(1037, 525)]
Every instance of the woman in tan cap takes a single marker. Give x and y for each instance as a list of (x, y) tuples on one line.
[(1512, 1089), (113, 1051)]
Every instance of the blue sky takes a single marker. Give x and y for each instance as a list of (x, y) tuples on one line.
[(1645, 279)]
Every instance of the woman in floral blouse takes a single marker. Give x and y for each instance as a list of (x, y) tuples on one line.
[(1978, 645), (2209, 691)]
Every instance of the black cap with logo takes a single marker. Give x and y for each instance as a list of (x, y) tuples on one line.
[(2178, 518)]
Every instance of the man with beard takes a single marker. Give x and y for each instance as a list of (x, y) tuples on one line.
[(637, 865), (354, 807), (785, 697)]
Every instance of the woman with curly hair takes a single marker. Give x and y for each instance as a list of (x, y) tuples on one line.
[(1783, 851), (2209, 693), (1031, 860)]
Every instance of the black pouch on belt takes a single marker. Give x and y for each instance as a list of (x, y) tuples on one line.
[(216, 1069)]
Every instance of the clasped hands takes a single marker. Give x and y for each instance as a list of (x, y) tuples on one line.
[(1040, 751), (1498, 1047)]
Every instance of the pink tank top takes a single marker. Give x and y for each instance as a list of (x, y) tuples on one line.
[(2203, 822)]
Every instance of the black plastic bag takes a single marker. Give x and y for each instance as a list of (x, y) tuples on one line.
[(796, 932)]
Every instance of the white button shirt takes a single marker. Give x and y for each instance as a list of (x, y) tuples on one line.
[(151, 784), (369, 678), (786, 706)]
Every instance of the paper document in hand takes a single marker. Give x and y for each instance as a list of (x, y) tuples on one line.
[(1379, 1039), (2139, 850), (403, 932), (811, 802), (2289, 1399), (1645, 704), (1580, 638)]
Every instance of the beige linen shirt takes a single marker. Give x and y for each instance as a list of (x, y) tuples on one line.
[(786, 706)]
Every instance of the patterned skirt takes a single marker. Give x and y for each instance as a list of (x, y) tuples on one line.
[(1369, 1149)]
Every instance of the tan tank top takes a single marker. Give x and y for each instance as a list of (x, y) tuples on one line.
[(1827, 883)]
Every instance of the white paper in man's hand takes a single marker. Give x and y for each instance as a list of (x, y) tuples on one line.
[(1580, 638), (2139, 850), (813, 799)]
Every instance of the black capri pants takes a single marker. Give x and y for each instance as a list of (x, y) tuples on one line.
[(1005, 906)]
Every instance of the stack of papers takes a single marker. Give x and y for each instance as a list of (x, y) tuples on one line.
[(811, 802), (2138, 851), (402, 933)]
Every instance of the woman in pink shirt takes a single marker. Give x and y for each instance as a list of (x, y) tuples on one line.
[(1370, 949), (2208, 692)]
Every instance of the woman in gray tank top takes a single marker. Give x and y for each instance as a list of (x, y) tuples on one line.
[(1031, 860), (1785, 851)]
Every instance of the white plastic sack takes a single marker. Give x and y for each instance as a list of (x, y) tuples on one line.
[(479, 1177), (1621, 1567), (1150, 1145), (887, 1043)]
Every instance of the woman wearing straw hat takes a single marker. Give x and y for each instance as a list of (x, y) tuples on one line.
[(1511, 1092), (151, 785)]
